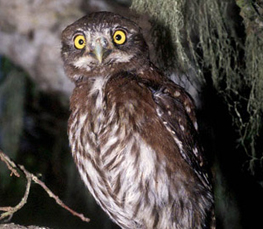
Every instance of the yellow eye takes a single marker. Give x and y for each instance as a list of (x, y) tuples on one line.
[(119, 37), (79, 42)]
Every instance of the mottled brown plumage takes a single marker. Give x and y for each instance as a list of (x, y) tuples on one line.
[(132, 131)]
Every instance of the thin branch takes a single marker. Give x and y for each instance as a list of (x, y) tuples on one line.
[(9, 211), (52, 195), (9, 163)]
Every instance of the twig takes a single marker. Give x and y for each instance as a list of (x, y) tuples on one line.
[(52, 195), (9, 163), (9, 211)]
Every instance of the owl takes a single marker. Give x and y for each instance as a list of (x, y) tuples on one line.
[(133, 132)]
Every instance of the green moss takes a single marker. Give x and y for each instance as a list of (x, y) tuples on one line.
[(201, 37)]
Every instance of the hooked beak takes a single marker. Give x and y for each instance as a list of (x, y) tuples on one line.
[(101, 49), (98, 51)]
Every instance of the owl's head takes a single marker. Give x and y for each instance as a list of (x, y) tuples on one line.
[(101, 43)]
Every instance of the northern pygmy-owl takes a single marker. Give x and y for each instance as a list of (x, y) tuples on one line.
[(132, 131)]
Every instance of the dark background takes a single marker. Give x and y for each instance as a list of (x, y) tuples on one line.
[(34, 108)]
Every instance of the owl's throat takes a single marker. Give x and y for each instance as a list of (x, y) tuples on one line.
[(97, 103)]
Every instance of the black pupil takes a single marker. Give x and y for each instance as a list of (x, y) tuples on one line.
[(118, 37), (81, 41)]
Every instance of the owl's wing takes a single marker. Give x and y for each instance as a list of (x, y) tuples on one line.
[(176, 110)]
